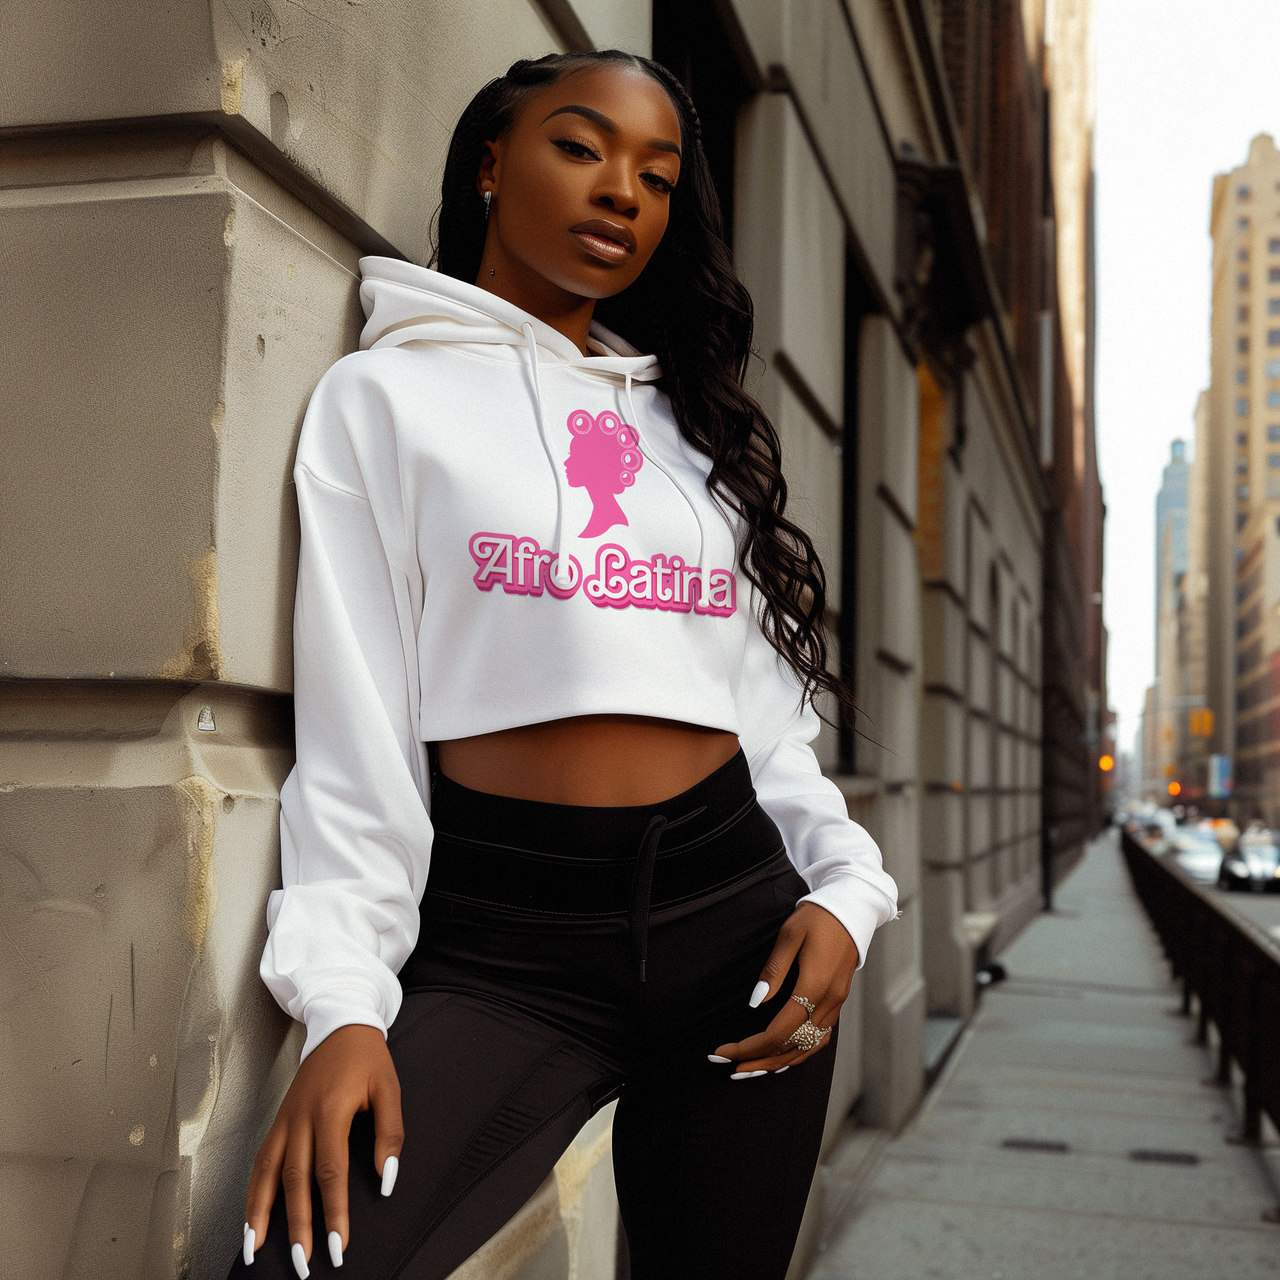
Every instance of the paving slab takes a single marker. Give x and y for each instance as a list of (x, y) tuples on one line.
[(1070, 1134)]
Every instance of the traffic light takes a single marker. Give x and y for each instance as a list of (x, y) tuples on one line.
[(1106, 763), (1175, 788)]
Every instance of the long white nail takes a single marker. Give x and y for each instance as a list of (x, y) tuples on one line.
[(747, 1075), (389, 1171), (250, 1243), (335, 1248), (780, 1070), (246, 1228), (762, 990), (299, 1262), (715, 1057)]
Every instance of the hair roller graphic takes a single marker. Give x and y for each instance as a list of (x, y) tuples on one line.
[(608, 422), (581, 422)]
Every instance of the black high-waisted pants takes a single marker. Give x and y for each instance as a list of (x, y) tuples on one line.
[(569, 956)]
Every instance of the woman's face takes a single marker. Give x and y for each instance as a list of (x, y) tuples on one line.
[(582, 183)]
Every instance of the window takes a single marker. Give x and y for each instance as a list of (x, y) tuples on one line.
[(1273, 275), (1273, 434), (1242, 314), (1241, 520), (1242, 405), (1273, 245), (1242, 346), (1242, 223), (1273, 399), (1243, 192), (1273, 459), (1273, 306), (1242, 255), (1273, 368), (1242, 492), (1242, 439), (1273, 337), (1242, 468), (1242, 377), (1242, 281)]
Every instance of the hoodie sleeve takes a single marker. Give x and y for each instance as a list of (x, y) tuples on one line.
[(836, 857), (355, 836)]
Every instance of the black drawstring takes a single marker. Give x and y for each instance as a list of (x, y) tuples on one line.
[(641, 885)]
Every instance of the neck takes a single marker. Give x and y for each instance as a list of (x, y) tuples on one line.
[(567, 313)]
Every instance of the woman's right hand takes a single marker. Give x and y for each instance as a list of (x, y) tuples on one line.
[(349, 1071)]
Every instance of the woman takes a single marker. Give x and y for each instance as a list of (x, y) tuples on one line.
[(617, 872)]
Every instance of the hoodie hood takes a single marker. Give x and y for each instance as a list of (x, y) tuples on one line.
[(407, 303)]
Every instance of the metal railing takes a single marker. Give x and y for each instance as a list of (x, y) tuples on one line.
[(1231, 966)]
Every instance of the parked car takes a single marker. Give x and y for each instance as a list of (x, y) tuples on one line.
[(1254, 864), (1198, 853)]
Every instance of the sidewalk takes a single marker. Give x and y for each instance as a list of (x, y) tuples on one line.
[(1021, 1164)]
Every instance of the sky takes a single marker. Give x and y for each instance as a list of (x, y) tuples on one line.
[(1182, 87)]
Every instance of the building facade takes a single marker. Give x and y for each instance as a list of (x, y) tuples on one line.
[(1235, 532), (183, 207)]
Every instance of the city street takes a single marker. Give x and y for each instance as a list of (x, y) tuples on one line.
[(1071, 1134)]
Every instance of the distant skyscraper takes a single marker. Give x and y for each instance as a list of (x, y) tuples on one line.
[(1171, 518)]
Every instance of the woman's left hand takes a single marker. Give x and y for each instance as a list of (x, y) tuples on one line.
[(828, 958)]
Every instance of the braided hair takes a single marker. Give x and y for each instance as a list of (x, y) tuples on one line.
[(688, 308)]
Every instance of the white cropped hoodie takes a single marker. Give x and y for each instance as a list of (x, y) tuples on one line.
[(500, 531)]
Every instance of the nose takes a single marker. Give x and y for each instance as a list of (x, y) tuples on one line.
[(617, 191)]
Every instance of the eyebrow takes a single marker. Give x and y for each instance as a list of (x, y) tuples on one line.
[(598, 117)]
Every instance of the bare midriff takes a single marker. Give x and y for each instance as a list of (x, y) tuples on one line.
[(601, 761)]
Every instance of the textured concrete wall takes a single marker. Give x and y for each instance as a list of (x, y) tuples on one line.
[(184, 195)]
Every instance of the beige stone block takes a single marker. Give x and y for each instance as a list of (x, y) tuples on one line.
[(979, 753), (165, 332), (357, 99), (132, 897), (823, 67), (893, 1068), (889, 409), (617, 24), (942, 828), (898, 616), (979, 886), (981, 685), (942, 724), (980, 816), (948, 958), (814, 469), (888, 697), (942, 639), (787, 234), (568, 1227), (896, 824)]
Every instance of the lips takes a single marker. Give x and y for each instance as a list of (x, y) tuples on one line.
[(607, 240)]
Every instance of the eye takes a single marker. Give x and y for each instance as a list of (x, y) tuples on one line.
[(577, 148), (659, 183)]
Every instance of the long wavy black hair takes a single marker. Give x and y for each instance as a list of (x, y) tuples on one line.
[(688, 308)]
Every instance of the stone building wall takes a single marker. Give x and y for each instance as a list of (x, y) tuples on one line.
[(183, 200)]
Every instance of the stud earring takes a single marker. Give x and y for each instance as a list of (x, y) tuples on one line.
[(488, 200)]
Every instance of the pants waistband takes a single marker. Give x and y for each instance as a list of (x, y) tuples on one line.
[(581, 861)]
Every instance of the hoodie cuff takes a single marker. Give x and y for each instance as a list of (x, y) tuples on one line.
[(325, 1014), (860, 917)]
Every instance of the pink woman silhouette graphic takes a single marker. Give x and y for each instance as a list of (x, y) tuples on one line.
[(603, 459)]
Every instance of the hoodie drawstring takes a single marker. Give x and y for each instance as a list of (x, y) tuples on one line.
[(561, 575), (703, 567)]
